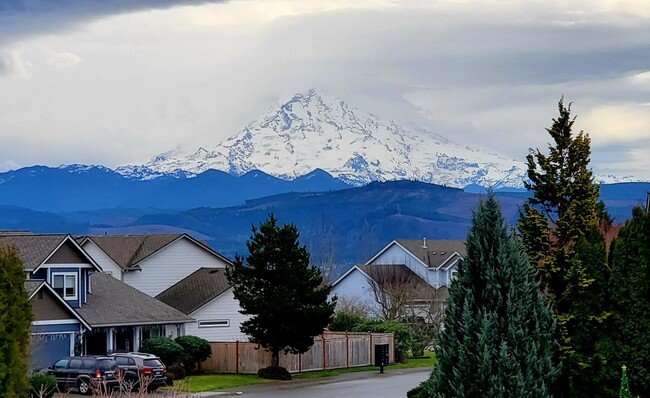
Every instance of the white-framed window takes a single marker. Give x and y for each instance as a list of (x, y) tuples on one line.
[(453, 275), (65, 284), (215, 323)]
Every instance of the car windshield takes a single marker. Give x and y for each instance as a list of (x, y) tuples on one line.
[(152, 363)]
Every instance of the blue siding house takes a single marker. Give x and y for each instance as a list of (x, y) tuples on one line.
[(79, 310)]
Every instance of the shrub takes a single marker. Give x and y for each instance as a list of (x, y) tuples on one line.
[(417, 392), (42, 385), (195, 350), (178, 371), (345, 322), (164, 347), (274, 373)]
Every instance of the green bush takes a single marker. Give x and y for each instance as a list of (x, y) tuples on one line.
[(274, 373), (178, 371), (164, 347), (42, 385), (345, 322), (195, 351), (417, 392)]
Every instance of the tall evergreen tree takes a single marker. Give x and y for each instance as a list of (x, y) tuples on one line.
[(563, 209), (630, 295), (498, 330), (286, 297), (15, 320)]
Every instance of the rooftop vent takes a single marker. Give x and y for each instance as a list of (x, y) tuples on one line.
[(424, 243)]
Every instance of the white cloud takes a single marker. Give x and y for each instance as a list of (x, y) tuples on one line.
[(486, 73), (13, 65), (63, 60)]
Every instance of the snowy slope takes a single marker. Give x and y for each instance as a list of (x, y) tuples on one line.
[(315, 130)]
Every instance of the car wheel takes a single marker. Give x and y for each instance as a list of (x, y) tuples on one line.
[(83, 386), (130, 384)]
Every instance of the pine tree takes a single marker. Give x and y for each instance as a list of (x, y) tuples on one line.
[(286, 297), (498, 330), (15, 321), (625, 388), (563, 209), (630, 295)]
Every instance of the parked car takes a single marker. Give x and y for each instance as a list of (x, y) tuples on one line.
[(85, 373), (140, 368)]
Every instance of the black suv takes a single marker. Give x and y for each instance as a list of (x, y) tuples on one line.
[(85, 373), (138, 367)]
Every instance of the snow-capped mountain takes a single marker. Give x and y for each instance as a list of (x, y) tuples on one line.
[(318, 131)]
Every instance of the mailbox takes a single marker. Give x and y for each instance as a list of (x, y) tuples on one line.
[(381, 356)]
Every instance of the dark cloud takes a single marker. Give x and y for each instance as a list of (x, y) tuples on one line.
[(19, 18)]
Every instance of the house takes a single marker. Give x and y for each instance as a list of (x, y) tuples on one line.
[(206, 296), (426, 267), (151, 263), (78, 309)]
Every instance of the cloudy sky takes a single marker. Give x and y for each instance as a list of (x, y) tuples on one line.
[(116, 82)]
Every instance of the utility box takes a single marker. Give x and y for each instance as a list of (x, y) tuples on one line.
[(382, 356)]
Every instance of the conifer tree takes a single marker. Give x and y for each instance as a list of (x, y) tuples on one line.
[(564, 208), (498, 330), (630, 295), (625, 388), (285, 296), (15, 321)]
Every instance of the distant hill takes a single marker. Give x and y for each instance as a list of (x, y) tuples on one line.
[(80, 187)]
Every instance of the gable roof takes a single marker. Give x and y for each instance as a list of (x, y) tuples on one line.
[(33, 286), (127, 251), (35, 250), (433, 254), (196, 290), (114, 303), (400, 272)]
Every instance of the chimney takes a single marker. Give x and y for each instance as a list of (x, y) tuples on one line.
[(424, 242)]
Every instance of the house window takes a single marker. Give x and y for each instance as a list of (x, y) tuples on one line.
[(453, 276), (65, 284), (219, 323)]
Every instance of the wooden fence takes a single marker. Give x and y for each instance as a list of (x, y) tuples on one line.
[(331, 350)]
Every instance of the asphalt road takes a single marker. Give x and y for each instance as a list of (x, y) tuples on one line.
[(392, 384)]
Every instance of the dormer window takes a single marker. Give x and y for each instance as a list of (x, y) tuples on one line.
[(65, 284)]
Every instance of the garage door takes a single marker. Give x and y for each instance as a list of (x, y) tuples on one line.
[(46, 349)]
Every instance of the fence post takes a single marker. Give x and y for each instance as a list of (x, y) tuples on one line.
[(370, 359), (324, 352), (347, 350), (237, 357)]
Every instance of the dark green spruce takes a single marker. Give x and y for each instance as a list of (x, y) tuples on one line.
[(498, 330), (564, 208), (285, 296), (630, 291), (15, 320)]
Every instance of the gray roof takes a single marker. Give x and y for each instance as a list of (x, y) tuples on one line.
[(196, 290), (33, 249), (114, 303), (32, 285), (129, 250), (436, 252), (404, 274)]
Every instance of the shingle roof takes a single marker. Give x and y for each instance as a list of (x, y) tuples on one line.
[(436, 252), (33, 249), (399, 271), (32, 285), (128, 250), (196, 290), (114, 303)]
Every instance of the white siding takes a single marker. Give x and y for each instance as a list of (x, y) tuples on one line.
[(170, 265), (105, 262), (355, 287), (224, 307), (397, 255)]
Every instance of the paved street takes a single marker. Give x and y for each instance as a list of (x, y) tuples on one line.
[(389, 385), (392, 384)]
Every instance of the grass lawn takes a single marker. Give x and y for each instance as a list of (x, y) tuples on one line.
[(218, 382), (225, 381)]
